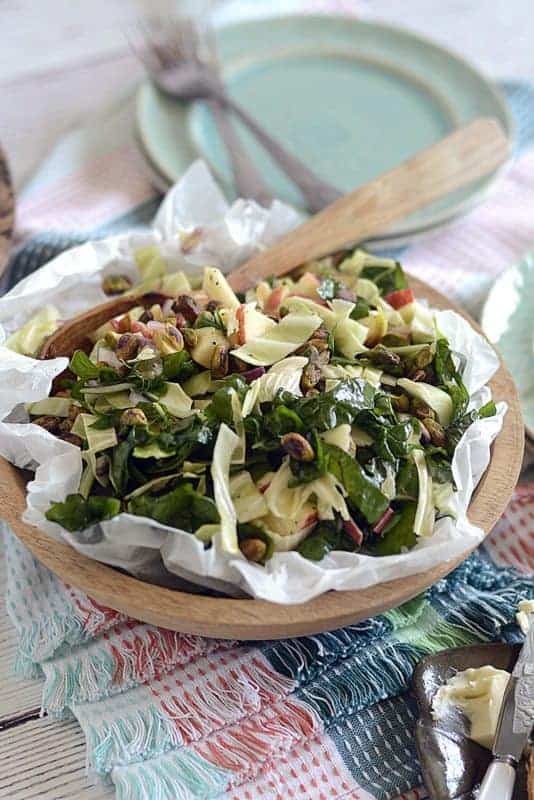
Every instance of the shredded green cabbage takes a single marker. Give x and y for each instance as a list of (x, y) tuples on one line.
[(199, 384), (152, 450), (340, 436), (288, 502), (226, 443), (286, 374), (55, 406), (29, 339), (217, 288), (279, 341), (249, 502), (176, 401), (444, 499), (174, 284), (424, 516), (433, 396), (349, 334)]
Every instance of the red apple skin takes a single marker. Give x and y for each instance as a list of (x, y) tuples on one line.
[(273, 302), (400, 298), (140, 327), (310, 522), (241, 332)]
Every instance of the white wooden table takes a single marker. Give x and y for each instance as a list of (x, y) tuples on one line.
[(60, 63)]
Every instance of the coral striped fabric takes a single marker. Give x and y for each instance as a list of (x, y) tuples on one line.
[(172, 716), (328, 716)]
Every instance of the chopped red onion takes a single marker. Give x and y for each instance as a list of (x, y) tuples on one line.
[(252, 374), (167, 306), (155, 325), (146, 342)]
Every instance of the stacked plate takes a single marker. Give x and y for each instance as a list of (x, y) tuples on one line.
[(351, 98), (507, 321)]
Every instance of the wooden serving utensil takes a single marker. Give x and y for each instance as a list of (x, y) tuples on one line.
[(467, 154), (72, 334), (459, 159)]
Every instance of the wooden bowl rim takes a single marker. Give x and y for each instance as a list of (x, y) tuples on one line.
[(250, 619)]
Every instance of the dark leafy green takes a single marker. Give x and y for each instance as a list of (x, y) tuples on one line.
[(362, 492), (388, 279), (399, 534), (439, 464), (340, 405), (178, 366), (220, 409), (104, 421), (361, 309), (407, 483), (459, 426), (183, 507), (192, 438), (210, 319), (77, 513), (83, 367), (391, 441), (487, 410), (450, 379), (324, 538), (119, 473)]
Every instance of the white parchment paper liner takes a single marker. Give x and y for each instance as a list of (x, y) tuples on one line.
[(225, 236)]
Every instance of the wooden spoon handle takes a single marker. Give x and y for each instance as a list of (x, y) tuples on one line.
[(72, 334), (462, 157)]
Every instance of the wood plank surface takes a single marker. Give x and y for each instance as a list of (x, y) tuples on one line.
[(17, 697), (44, 759), (39, 758)]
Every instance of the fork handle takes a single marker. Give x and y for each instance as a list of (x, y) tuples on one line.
[(498, 782), (247, 180), (316, 192)]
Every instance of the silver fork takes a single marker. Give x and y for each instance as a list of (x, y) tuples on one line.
[(180, 57), (186, 49)]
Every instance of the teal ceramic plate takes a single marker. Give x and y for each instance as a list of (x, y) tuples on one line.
[(351, 98), (508, 322)]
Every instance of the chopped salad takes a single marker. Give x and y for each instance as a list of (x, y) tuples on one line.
[(317, 412)]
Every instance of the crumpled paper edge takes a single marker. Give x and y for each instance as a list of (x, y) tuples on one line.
[(224, 236)]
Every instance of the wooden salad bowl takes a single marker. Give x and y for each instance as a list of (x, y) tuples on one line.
[(258, 619)]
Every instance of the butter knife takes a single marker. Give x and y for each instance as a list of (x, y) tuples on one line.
[(510, 738)]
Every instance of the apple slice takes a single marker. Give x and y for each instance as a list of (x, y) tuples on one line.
[(378, 327), (287, 534), (273, 302), (307, 286), (207, 340), (215, 285), (251, 323)]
